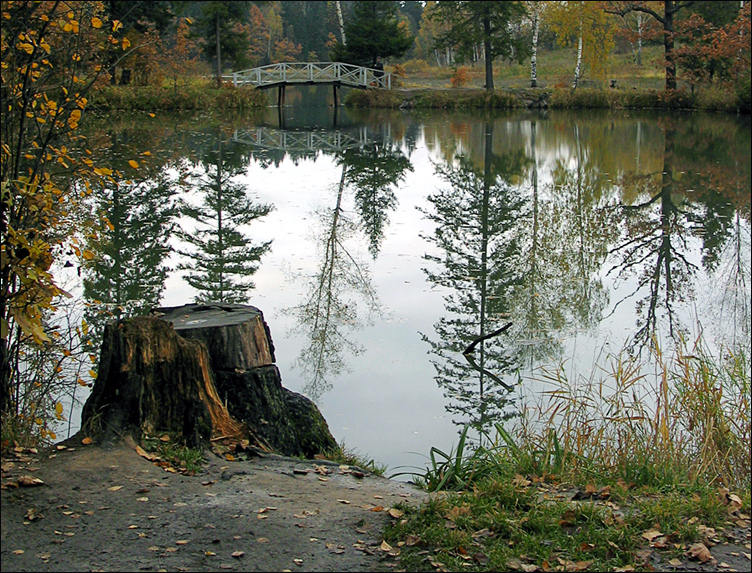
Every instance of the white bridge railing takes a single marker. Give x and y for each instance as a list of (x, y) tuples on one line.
[(311, 73), (306, 141)]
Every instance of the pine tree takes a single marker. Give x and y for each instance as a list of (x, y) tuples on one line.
[(373, 32)]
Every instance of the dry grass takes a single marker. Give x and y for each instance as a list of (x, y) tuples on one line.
[(686, 421)]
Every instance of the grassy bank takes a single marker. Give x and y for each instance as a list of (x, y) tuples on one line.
[(614, 472), (193, 96), (553, 98)]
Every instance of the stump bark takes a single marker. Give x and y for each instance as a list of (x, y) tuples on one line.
[(202, 371)]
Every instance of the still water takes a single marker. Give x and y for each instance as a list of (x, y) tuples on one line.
[(380, 244)]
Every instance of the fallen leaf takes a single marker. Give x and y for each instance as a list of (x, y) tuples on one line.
[(115, 488), (674, 562), (396, 513), (626, 568), (346, 502), (209, 553), (144, 454), (411, 540), (32, 514), (262, 540), (520, 481), (651, 534), (18, 551), (238, 554), (298, 562), (86, 441), (377, 508), (385, 546), (142, 499), (28, 481), (700, 552), (568, 518)]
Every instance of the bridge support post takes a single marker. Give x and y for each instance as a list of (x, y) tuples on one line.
[(281, 96), (334, 89)]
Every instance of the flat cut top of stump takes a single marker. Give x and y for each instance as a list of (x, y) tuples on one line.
[(235, 335), (207, 315)]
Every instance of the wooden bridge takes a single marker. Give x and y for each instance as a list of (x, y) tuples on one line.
[(307, 73)]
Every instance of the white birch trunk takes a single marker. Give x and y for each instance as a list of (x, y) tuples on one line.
[(639, 38), (338, 6), (578, 67), (534, 55)]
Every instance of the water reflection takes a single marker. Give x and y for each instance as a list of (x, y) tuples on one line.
[(223, 257), (479, 265), (580, 230), (127, 275), (674, 207), (340, 297)]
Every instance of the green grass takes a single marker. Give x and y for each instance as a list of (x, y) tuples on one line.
[(187, 459), (351, 457), (586, 474)]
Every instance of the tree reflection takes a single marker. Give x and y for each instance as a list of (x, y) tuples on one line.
[(373, 172), (126, 276), (223, 258), (331, 308), (565, 246), (656, 251), (476, 232)]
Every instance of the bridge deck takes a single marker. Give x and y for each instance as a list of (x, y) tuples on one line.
[(335, 73)]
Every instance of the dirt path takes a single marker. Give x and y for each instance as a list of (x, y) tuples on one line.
[(107, 508)]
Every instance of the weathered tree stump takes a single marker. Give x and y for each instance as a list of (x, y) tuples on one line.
[(150, 381), (202, 371)]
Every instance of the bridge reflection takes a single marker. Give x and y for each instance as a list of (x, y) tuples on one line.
[(309, 141)]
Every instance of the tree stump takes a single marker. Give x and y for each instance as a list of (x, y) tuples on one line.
[(151, 381), (202, 371)]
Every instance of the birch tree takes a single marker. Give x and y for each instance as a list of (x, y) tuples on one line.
[(587, 25)]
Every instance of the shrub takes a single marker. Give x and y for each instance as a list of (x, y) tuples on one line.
[(460, 77)]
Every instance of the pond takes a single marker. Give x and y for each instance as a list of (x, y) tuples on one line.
[(380, 244)]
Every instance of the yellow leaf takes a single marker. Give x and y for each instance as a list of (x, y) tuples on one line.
[(133, 163), (81, 382), (116, 25), (26, 47), (151, 115), (126, 43), (87, 440), (385, 546), (103, 171), (88, 255), (96, 22), (92, 374)]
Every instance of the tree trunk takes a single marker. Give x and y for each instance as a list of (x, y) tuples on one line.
[(488, 55), (338, 6), (219, 51), (534, 54), (241, 355), (639, 38), (668, 44), (153, 381), (578, 67)]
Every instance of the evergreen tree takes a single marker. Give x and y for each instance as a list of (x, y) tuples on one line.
[(224, 258), (221, 25), (373, 32), (489, 24)]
